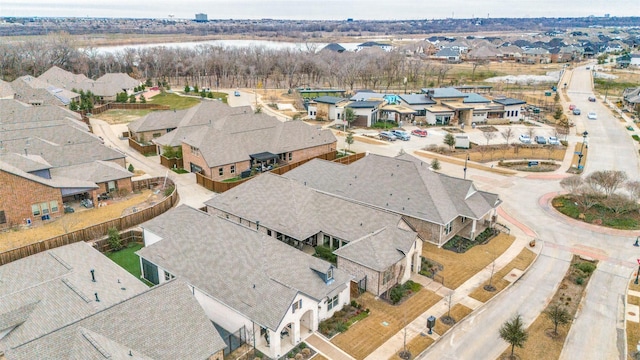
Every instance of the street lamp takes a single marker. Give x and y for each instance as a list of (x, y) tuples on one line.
[(637, 273), (580, 155), (465, 166)]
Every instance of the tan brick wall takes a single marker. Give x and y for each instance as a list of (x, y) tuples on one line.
[(359, 272), (17, 194), (147, 135), (428, 231)]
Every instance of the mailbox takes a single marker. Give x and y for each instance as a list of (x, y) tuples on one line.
[(431, 322)]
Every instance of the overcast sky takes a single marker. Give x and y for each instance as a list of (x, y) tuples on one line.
[(318, 9)]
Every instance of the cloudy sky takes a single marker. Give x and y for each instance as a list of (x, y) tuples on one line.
[(319, 9)]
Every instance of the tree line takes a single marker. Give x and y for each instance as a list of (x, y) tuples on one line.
[(228, 67)]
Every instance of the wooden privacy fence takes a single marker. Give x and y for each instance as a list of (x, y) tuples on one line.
[(171, 163), (99, 230), (124, 106), (126, 237), (142, 149), (220, 187)]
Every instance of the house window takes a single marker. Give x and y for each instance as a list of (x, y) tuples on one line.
[(326, 240), (233, 169), (167, 276), (194, 150), (290, 156), (296, 305), (462, 219), (387, 276), (157, 135), (268, 232), (54, 206), (333, 302), (3, 217), (45, 208), (448, 228), (221, 171), (35, 209), (330, 273)]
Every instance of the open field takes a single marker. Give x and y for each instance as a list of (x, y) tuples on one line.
[(82, 218), (459, 268), (119, 116), (521, 262), (384, 321)]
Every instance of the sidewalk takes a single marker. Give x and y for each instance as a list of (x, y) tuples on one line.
[(325, 348), (460, 295)]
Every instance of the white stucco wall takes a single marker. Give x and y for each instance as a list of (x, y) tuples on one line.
[(345, 298), (149, 237), (513, 113)]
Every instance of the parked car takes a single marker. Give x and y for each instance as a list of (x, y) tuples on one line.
[(540, 140), (592, 115), (236, 93), (387, 135), (576, 111), (525, 139), (419, 132), (553, 140), (571, 107), (592, 98), (401, 134)]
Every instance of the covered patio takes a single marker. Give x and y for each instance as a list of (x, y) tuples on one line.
[(263, 161)]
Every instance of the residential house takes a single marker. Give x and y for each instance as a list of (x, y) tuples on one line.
[(448, 54), (379, 249), (108, 176), (631, 99), (510, 52), (436, 206), (484, 53), (252, 141), (366, 112), (33, 91), (536, 55), (245, 280), (105, 88), (48, 291), (373, 44), (327, 108), (569, 53), (333, 47), (72, 302)]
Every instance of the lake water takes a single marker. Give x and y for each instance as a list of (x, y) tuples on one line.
[(230, 43)]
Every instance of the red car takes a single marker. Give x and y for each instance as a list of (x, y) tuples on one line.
[(571, 107), (419, 132)]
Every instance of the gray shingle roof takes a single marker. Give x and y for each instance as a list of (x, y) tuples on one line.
[(56, 182), (97, 172), (54, 288), (296, 210), (447, 92), (121, 79), (473, 98), (245, 134), (329, 99), (254, 274), (380, 250), (509, 101), (163, 323), (6, 90), (416, 99), (26, 163), (404, 185)]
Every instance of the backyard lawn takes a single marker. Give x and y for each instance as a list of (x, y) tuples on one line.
[(458, 268), (174, 101), (127, 258)]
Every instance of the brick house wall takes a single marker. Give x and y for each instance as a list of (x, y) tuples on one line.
[(434, 233), (148, 135), (374, 278), (17, 194), (121, 185)]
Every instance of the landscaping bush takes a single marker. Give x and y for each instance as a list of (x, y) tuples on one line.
[(396, 294), (636, 137), (169, 190), (580, 281), (325, 253), (115, 243), (586, 267)]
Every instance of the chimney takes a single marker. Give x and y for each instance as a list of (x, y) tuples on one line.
[(93, 275)]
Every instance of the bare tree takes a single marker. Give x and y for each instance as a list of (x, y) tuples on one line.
[(620, 203), (507, 134), (489, 135), (571, 184), (606, 182), (633, 188)]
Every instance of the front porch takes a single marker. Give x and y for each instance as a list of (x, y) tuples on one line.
[(277, 344)]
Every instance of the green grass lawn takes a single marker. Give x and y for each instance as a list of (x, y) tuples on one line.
[(174, 101), (127, 258)]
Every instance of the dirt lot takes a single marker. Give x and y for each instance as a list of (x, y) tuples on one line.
[(81, 218), (458, 268), (118, 116), (384, 321)]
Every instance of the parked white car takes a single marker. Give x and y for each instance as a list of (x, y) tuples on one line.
[(553, 140), (592, 115), (525, 139)]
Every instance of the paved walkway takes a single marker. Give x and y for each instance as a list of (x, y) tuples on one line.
[(325, 348), (458, 296)]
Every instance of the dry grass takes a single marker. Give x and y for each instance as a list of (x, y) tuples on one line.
[(633, 286), (319, 357), (118, 116), (458, 312), (368, 334), (513, 152), (522, 261), (416, 346), (633, 328), (458, 268), (69, 222)]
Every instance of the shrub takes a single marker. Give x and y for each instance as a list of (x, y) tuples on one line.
[(130, 168), (302, 346), (586, 267), (413, 286), (306, 351), (354, 303), (114, 239), (342, 327), (324, 252), (168, 191), (635, 137), (580, 280), (396, 294)]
